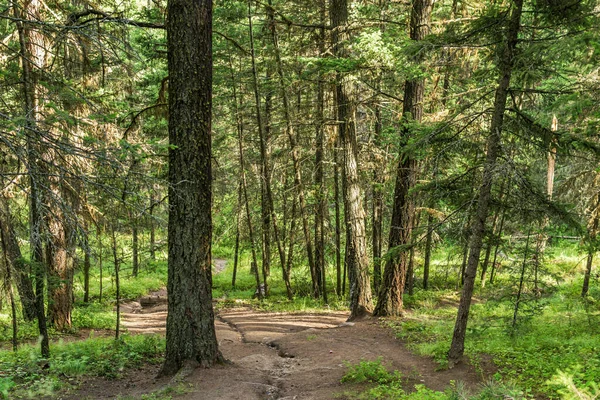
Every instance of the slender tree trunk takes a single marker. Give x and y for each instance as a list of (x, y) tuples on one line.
[(361, 302), (117, 282), (428, 247), (588, 273), (191, 338), (86, 265), (152, 226), (31, 52), (493, 148), (521, 281), (237, 235), (243, 184), (266, 180), (294, 151), (490, 242), (542, 238), (497, 240), (340, 284), (292, 237), (100, 254), (319, 175), (135, 250), (264, 159), (392, 288)]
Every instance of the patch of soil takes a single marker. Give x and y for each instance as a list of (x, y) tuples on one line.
[(282, 356), (277, 356)]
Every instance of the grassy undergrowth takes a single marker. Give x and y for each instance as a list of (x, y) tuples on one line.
[(390, 385), (556, 332), (23, 373)]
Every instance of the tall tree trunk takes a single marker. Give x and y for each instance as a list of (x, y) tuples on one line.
[(340, 283), (191, 338), (377, 213), (152, 226), (361, 302), (100, 259), (86, 264), (265, 160), (293, 141), (491, 236), (521, 281), (494, 142), (265, 208), (32, 56), (135, 250), (243, 184), (392, 288), (428, 247), (236, 250), (542, 238), (113, 236), (319, 156), (497, 241)]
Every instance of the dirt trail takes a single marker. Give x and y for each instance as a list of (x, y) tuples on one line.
[(278, 356)]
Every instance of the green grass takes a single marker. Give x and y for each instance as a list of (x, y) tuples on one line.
[(559, 332), (21, 375), (388, 385)]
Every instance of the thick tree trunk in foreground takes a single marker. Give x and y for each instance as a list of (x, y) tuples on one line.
[(191, 338), (361, 302), (494, 140), (394, 277)]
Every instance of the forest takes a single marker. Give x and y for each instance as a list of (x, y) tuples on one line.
[(302, 199)]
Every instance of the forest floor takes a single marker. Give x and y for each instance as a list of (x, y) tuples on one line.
[(274, 356)]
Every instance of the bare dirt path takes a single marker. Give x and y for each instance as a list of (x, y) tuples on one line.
[(276, 356)]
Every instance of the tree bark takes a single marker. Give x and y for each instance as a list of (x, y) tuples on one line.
[(392, 288), (494, 142), (191, 338), (361, 302)]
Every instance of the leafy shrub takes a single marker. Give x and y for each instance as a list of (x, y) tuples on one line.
[(370, 371)]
